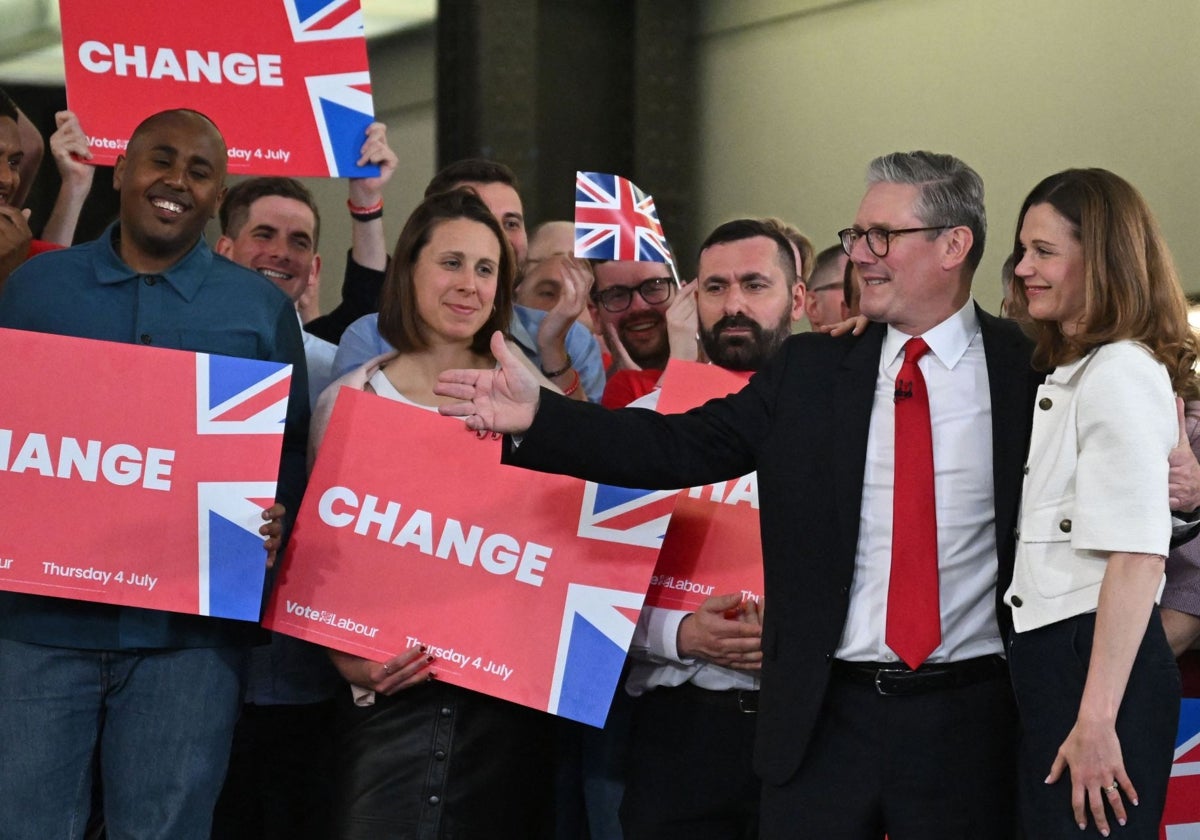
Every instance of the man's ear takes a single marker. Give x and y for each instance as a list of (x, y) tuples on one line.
[(118, 172), (958, 242), (799, 292), (224, 246), (314, 275)]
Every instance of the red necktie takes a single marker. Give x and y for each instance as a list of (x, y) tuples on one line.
[(914, 626)]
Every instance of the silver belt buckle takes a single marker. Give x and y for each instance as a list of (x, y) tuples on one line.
[(879, 689)]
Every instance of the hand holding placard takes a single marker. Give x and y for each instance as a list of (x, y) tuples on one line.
[(725, 631)]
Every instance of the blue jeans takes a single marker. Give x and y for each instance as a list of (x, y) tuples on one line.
[(157, 725)]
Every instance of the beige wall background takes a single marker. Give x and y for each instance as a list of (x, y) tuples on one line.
[(797, 95)]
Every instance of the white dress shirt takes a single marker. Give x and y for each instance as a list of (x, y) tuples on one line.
[(960, 409)]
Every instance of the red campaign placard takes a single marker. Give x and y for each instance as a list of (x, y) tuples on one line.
[(524, 586), (286, 81), (713, 545), (137, 475)]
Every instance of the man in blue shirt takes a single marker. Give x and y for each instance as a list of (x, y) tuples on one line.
[(149, 697)]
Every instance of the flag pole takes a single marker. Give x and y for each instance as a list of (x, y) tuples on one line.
[(671, 263)]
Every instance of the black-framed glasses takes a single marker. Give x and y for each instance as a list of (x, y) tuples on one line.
[(878, 239), (653, 291)]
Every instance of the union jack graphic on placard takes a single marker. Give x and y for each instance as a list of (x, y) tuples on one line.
[(384, 559), (597, 626), (615, 220), (288, 85), (1181, 816), (627, 516), (323, 20), (234, 397), (178, 454), (340, 104)]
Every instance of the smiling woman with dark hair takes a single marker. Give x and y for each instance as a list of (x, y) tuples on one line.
[(1095, 680), (416, 757)]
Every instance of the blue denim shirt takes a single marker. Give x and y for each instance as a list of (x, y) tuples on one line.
[(362, 342), (203, 303)]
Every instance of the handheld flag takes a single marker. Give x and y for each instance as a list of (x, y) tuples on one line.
[(615, 220)]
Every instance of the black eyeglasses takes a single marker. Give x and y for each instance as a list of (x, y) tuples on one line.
[(878, 239), (617, 299)]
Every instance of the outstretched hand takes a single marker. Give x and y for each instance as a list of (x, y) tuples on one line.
[(499, 400)]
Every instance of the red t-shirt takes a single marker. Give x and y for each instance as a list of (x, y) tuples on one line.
[(625, 386)]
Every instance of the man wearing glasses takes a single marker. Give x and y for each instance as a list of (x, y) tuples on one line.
[(862, 730), (629, 303), (629, 300), (825, 304)]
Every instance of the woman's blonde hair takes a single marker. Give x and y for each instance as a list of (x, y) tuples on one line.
[(1131, 288)]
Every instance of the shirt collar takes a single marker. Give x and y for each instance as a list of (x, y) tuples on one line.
[(185, 276), (520, 331), (948, 341)]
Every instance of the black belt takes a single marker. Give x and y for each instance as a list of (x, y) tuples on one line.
[(734, 699), (895, 679)]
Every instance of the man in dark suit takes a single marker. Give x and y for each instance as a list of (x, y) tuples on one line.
[(855, 738)]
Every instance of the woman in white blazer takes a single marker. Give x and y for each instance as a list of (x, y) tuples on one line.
[(1096, 684)]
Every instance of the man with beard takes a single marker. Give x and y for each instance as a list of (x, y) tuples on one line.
[(628, 305), (644, 318), (749, 294), (845, 680), (695, 675)]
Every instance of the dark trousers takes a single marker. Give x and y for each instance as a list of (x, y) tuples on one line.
[(279, 781), (934, 766), (1049, 668), (690, 774)]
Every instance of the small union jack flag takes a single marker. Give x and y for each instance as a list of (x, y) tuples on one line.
[(615, 220)]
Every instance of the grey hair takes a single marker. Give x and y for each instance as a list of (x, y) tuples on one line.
[(951, 192)]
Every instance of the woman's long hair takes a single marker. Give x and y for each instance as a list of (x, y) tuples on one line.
[(1131, 288), (399, 323)]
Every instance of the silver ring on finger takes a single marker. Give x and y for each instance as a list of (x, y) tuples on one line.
[(1112, 788)]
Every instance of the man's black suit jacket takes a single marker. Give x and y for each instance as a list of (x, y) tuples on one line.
[(802, 423)]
